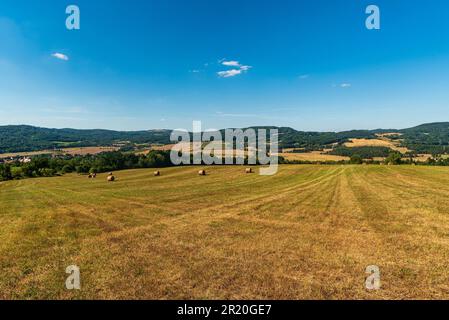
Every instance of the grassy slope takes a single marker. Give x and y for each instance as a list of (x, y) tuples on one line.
[(308, 232)]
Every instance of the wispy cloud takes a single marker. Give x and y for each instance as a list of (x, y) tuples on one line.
[(238, 68), (231, 63), (60, 56), (229, 73), (344, 85), (304, 76)]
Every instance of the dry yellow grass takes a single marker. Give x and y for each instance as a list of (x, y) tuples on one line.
[(88, 150), (422, 157), (368, 143), (218, 147), (308, 232), (24, 154), (289, 150), (389, 134), (376, 143), (314, 156), (68, 151), (166, 147)]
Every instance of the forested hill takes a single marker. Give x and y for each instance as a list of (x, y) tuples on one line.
[(29, 138), (426, 138)]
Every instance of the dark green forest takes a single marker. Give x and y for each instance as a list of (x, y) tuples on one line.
[(428, 138), (28, 138), (363, 152)]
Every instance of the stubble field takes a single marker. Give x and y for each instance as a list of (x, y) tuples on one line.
[(308, 232)]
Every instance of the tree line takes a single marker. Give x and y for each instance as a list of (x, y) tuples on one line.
[(48, 166), (366, 152)]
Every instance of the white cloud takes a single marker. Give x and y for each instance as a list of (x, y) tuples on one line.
[(231, 63), (229, 73), (233, 72), (304, 76), (346, 85), (60, 56)]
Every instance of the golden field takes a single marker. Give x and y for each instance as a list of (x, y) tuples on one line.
[(383, 142), (313, 156), (63, 151), (308, 232)]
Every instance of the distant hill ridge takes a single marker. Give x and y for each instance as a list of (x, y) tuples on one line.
[(425, 138)]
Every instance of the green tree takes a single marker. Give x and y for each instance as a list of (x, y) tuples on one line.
[(16, 173), (5, 172), (356, 159), (67, 168), (394, 158)]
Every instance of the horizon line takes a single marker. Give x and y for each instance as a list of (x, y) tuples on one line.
[(245, 127)]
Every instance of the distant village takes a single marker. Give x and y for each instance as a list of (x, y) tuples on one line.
[(56, 153), (15, 159)]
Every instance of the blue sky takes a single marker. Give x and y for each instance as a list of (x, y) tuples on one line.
[(310, 65)]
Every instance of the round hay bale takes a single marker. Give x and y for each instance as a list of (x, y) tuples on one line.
[(202, 172), (111, 178), (157, 173), (249, 170)]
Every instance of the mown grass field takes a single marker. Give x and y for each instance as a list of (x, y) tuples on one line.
[(308, 232)]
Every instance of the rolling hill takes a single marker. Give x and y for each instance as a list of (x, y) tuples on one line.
[(28, 138), (426, 138)]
